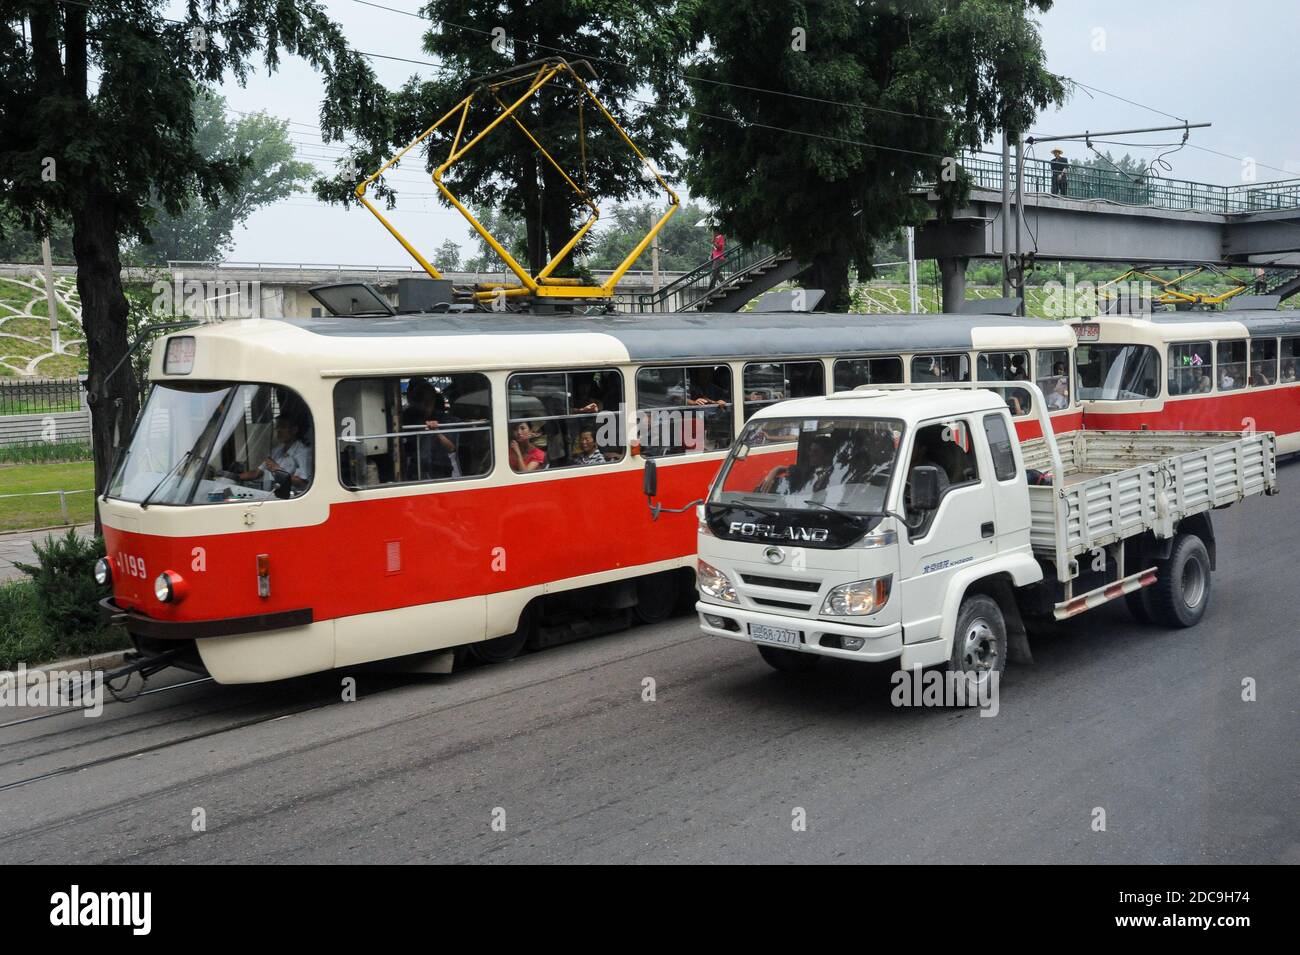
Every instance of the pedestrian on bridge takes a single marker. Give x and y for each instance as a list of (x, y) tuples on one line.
[(1060, 173), (719, 249)]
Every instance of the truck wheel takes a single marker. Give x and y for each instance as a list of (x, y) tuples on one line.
[(788, 661), (979, 645), (1182, 588), (1138, 605)]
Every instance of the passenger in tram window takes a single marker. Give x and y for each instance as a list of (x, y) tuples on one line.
[(1018, 372), (704, 388), (1059, 399), (583, 399), (1202, 382), (524, 456), (1288, 372), (586, 451), (427, 457)]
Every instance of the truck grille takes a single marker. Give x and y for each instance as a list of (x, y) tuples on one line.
[(809, 586)]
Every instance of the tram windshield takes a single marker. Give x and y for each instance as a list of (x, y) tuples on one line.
[(806, 464), (215, 442), (1118, 372)]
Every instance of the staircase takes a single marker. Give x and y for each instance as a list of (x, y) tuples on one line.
[(744, 274), (1283, 282)]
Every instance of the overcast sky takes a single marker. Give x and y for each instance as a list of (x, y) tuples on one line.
[(1230, 64)]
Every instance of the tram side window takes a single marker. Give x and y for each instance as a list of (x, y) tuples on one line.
[(1191, 368), (1053, 377), (564, 419), (766, 383), (1007, 366), (1232, 365), (1263, 362), (931, 368), (853, 372), (1290, 360), (424, 428), (683, 409)]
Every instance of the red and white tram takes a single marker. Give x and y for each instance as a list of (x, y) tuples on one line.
[(1198, 371), (305, 494)]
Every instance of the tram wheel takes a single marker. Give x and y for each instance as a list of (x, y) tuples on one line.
[(503, 649), (656, 597)]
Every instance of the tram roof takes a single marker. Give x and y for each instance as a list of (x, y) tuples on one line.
[(716, 335), (1259, 323)]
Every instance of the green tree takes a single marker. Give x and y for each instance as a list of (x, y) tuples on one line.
[(97, 125), (508, 229), (923, 79), (633, 47), (683, 244), (203, 231)]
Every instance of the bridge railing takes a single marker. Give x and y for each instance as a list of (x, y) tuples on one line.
[(1111, 185)]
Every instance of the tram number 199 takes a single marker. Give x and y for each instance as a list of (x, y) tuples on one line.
[(134, 566)]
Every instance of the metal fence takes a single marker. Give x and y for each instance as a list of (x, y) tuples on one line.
[(40, 395), (1093, 182)]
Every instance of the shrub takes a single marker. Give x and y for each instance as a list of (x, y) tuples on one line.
[(23, 634), (45, 452), (67, 595)]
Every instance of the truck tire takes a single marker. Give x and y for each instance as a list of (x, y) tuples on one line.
[(979, 643), (1139, 605), (1181, 593), (788, 661)]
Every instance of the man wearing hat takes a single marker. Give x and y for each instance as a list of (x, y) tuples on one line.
[(1060, 172)]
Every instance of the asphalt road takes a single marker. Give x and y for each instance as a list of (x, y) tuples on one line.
[(1146, 724)]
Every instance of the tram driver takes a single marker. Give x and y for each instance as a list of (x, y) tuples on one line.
[(287, 469)]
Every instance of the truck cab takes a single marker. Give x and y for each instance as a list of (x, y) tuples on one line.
[(851, 525)]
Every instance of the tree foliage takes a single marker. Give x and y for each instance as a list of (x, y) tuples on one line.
[(876, 94), (98, 127), (268, 171)]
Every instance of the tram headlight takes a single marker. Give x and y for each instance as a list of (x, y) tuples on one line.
[(169, 587), (715, 583), (103, 571)]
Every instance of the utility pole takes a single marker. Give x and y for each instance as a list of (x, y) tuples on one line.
[(1006, 214), (913, 295), (654, 263), (55, 345), (1020, 222)]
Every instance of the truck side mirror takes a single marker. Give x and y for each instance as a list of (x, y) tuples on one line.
[(650, 478), (924, 482)]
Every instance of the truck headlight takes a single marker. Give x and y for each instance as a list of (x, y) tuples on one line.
[(859, 598), (714, 582)]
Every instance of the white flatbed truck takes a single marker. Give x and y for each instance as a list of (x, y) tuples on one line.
[(816, 541)]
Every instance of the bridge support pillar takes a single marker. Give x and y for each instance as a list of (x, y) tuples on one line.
[(952, 272)]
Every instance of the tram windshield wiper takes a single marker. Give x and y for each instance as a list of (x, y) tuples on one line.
[(172, 471)]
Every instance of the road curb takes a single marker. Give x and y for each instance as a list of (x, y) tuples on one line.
[(98, 661)]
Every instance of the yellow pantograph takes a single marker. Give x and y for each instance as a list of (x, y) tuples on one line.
[(533, 76)]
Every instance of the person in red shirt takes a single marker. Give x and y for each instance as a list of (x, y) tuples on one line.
[(719, 249), (524, 456)]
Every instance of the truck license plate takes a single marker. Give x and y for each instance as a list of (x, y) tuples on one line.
[(784, 638)]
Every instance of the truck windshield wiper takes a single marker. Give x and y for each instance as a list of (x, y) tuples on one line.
[(749, 507), (858, 517), (166, 477)]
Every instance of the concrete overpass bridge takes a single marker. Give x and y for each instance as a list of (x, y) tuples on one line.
[(1108, 216)]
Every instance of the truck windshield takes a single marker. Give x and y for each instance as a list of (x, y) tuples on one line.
[(1118, 372), (212, 442), (807, 464)]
